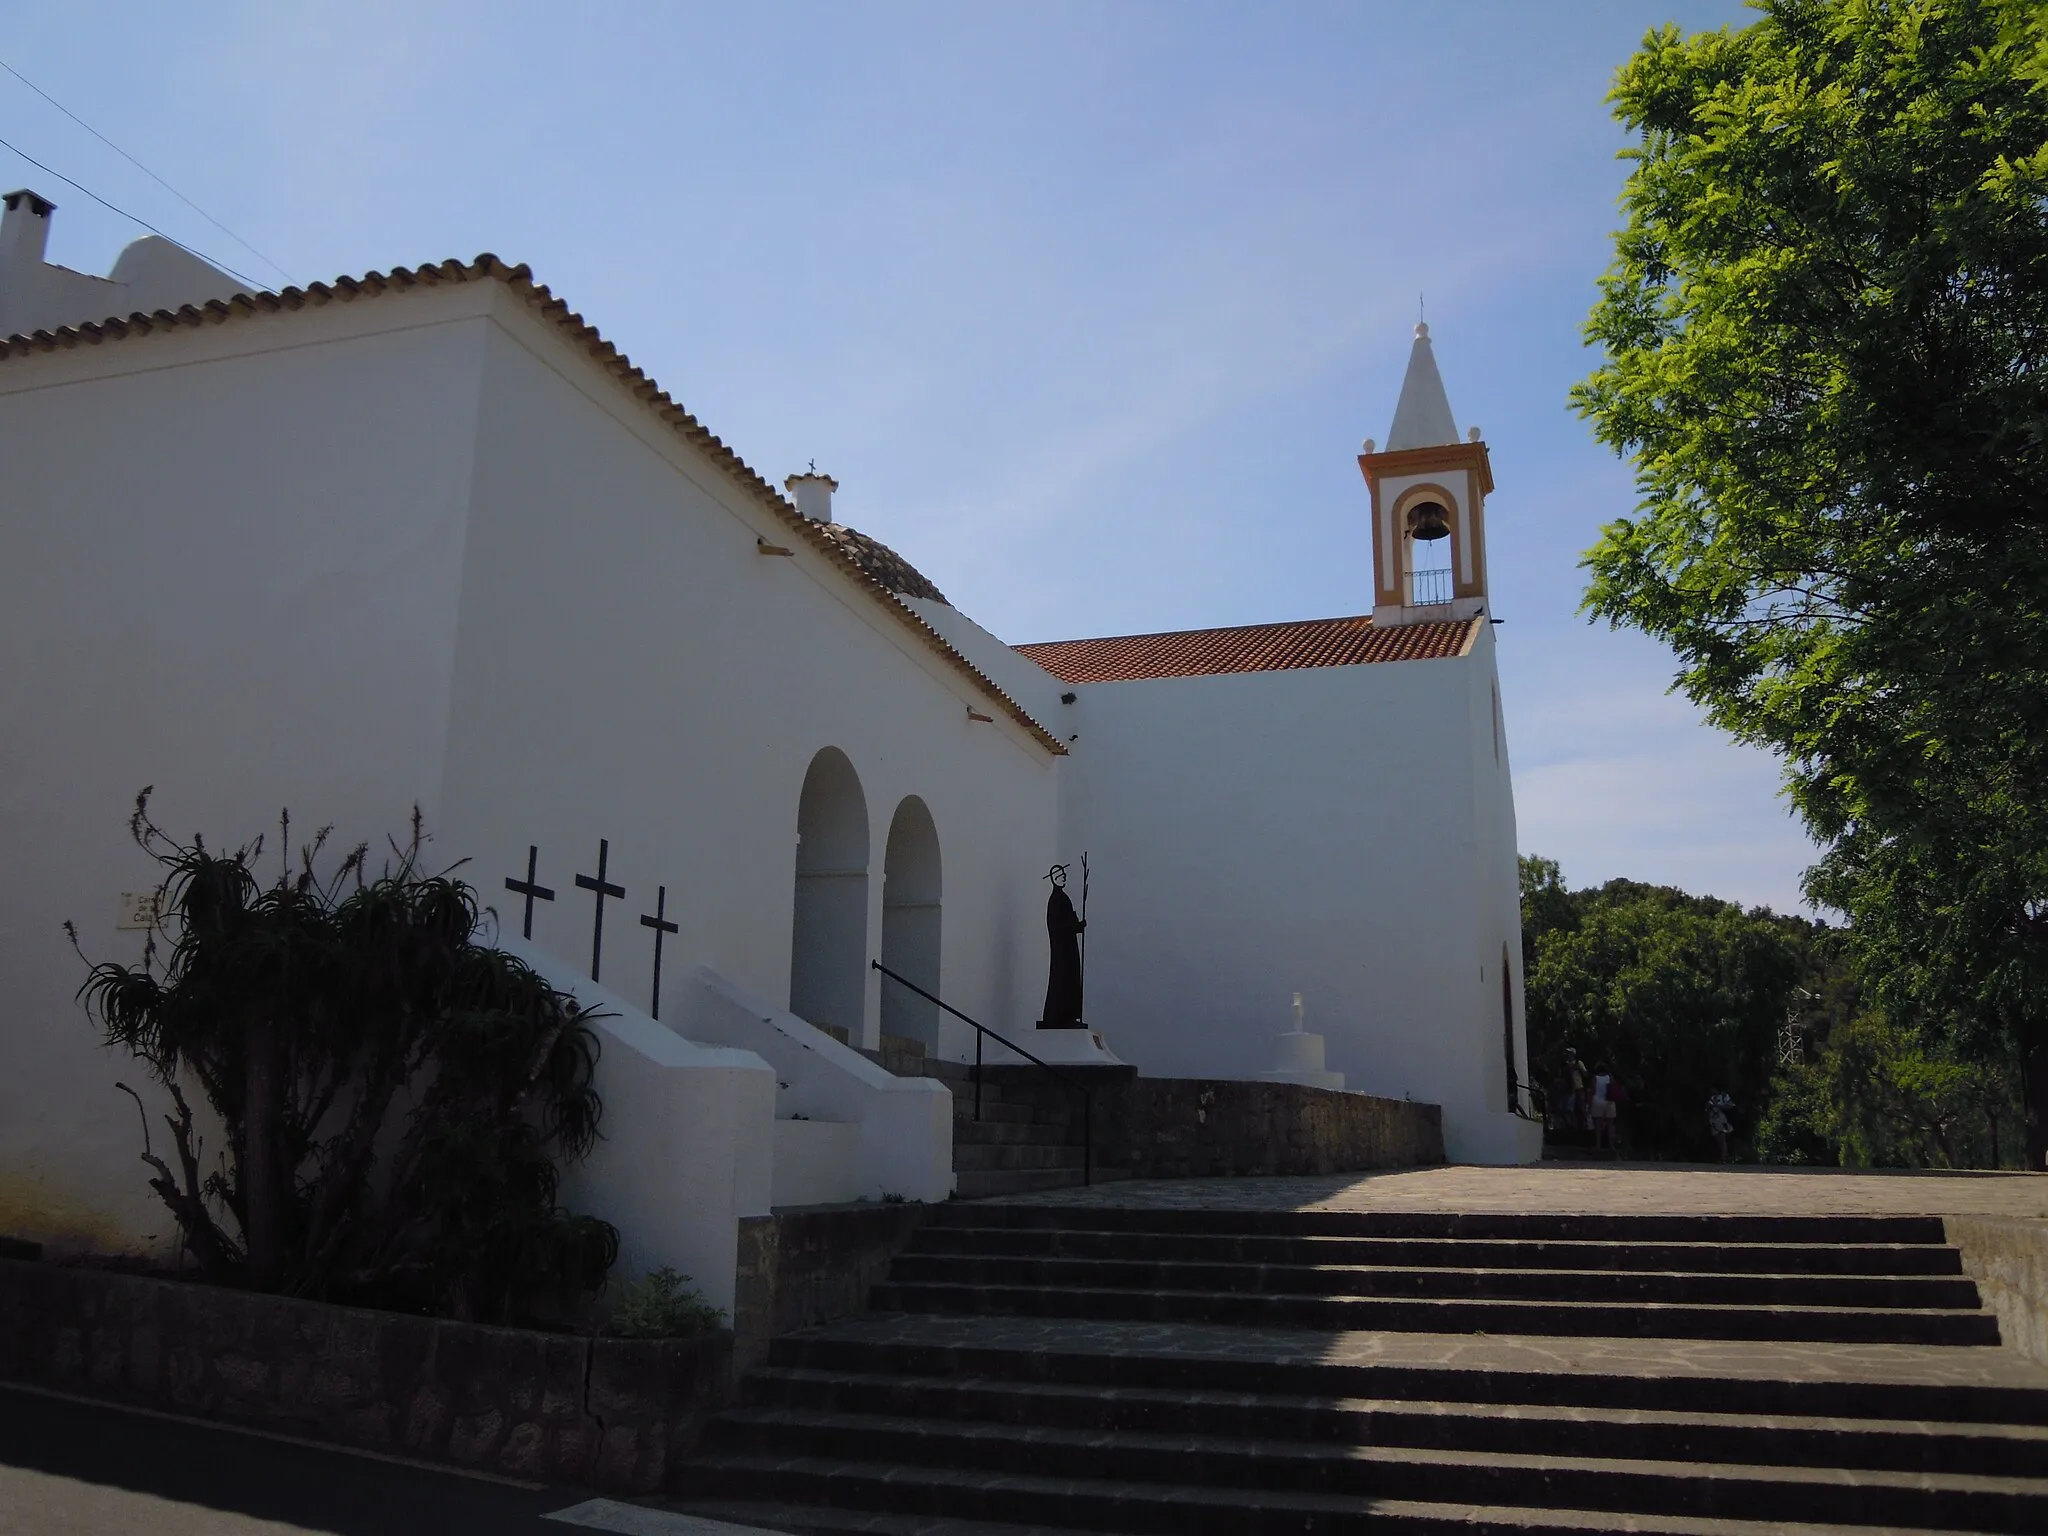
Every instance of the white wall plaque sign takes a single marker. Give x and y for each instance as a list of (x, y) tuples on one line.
[(138, 910)]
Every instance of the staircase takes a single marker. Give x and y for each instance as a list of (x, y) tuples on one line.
[(1048, 1368), (1028, 1135)]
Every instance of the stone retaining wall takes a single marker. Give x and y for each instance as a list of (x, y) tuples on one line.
[(1218, 1128), (2009, 1261), (614, 1413), (1186, 1128), (804, 1266)]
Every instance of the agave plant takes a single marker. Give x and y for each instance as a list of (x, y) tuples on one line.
[(394, 1095)]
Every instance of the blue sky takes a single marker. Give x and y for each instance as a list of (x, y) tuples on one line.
[(1086, 306)]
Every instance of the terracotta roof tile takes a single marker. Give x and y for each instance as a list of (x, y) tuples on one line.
[(519, 279), (1347, 642)]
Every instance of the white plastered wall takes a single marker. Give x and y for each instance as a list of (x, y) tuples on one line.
[(1332, 831), (688, 1144), (422, 550), (206, 584), (151, 274), (631, 667), (899, 1130)]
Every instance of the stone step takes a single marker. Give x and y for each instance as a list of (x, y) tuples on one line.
[(988, 1183), (984, 1183), (1012, 1155), (1501, 1253), (817, 1520), (1023, 1112), (1554, 1227), (1005, 1132), (1307, 1514), (1629, 1434), (1110, 1358), (1750, 1290), (1072, 1365), (993, 1111), (1166, 1483), (1617, 1319), (1040, 1114), (1056, 1126), (1002, 1082)]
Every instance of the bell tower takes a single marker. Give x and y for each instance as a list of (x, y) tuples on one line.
[(1428, 505)]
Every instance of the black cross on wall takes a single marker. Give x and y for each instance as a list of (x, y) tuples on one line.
[(662, 929), (603, 889), (530, 889)]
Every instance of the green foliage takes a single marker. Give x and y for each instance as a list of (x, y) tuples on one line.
[(662, 1305), (1883, 1095), (394, 1095), (1799, 1126), (1683, 995), (1825, 333), (1679, 995)]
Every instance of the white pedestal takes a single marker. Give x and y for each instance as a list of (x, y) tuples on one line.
[(1301, 1061), (1059, 1048)]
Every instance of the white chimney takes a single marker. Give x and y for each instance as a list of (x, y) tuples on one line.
[(24, 232), (812, 493)]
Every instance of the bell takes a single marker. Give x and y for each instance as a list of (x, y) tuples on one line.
[(1428, 522)]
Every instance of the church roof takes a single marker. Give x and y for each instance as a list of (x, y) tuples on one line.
[(883, 563), (537, 296), (1347, 642)]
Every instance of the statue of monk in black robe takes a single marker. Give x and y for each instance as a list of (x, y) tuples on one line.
[(1063, 983)]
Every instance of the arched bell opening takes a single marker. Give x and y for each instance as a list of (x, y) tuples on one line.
[(912, 891), (829, 932), (1427, 519)]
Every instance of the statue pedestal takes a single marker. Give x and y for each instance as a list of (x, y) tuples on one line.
[(1060, 1048), (1301, 1061)]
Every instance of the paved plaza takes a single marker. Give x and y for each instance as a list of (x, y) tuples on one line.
[(1620, 1189)]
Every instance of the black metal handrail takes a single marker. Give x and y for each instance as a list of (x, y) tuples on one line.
[(1539, 1101), (980, 1029)]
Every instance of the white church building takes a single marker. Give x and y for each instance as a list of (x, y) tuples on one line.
[(424, 537)]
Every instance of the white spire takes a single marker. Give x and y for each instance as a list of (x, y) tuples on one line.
[(1423, 418)]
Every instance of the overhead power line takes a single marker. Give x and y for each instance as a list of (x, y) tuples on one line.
[(152, 175), (212, 261)]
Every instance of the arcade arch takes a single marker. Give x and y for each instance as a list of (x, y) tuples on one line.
[(829, 932), (912, 888)]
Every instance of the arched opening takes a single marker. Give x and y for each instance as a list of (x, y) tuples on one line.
[(829, 936), (911, 888), (1427, 521)]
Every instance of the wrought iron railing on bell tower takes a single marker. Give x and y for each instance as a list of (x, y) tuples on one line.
[(1427, 588)]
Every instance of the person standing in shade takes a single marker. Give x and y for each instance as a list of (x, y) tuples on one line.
[(1063, 928), (1601, 1108), (1719, 1121), (1617, 1095), (1575, 1094)]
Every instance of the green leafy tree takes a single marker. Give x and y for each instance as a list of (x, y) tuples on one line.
[(393, 1095), (1679, 995), (1825, 334), (1880, 1094)]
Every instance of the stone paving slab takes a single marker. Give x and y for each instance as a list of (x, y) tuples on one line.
[(777, 1520), (649, 1520), (1661, 1189), (1920, 1365)]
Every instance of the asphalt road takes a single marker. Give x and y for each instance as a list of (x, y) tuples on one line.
[(77, 1469)]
